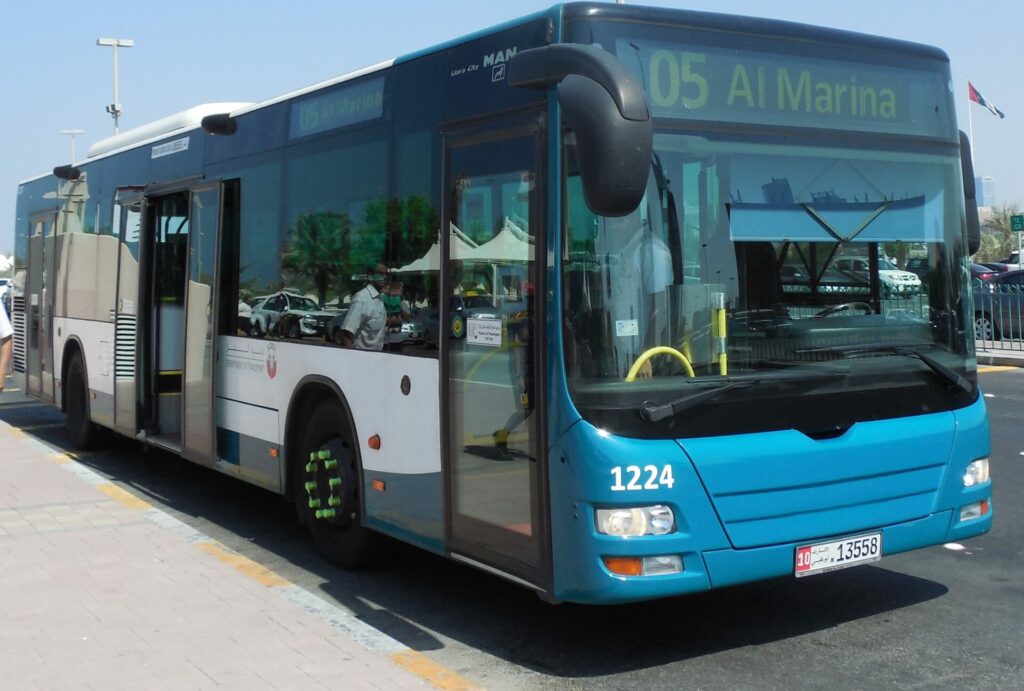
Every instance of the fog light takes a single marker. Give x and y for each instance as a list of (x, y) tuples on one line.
[(657, 566), (635, 521), (975, 510), (644, 566), (977, 473)]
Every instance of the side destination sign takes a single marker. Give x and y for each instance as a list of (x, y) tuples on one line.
[(341, 107), (698, 83)]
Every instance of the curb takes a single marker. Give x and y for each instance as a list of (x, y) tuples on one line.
[(1001, 359)]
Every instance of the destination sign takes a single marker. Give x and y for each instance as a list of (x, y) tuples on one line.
[(698, 83), (345, 106)]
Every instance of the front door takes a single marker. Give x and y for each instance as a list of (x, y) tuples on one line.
[(489, 347)]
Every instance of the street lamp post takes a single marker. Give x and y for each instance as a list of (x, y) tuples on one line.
[(73, 134), (115, 108)]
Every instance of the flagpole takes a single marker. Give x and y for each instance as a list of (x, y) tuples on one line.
[(970, 120)]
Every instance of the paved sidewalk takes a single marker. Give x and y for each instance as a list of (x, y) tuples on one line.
[(100, 590)]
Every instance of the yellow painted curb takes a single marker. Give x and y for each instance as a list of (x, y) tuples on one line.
[(244, 565), (123, 497), (995, 368), (422, 666)]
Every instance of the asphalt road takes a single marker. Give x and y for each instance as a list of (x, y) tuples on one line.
[(945, 617)]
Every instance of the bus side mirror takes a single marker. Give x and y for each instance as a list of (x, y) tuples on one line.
[(219, 123), (606, 108), (970, 196)]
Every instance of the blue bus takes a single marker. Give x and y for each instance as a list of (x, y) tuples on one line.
[(608, 301)]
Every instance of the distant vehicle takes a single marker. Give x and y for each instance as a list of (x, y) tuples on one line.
[(460, 308), (998, 267), (980, 272), (1012, 262), (289, 315), (998, 304), (919, 267), (894, 281)]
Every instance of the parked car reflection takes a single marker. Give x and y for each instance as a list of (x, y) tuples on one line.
[(998, 304), (288, 315)]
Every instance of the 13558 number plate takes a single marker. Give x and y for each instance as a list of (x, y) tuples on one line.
[(838, 554)]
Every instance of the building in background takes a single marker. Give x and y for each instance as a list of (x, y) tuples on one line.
[(986, 188)]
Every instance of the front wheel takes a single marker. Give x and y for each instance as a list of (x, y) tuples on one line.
[(326, 485)]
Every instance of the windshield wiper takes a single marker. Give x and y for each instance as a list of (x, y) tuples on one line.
[(656, 412), (908, 349)]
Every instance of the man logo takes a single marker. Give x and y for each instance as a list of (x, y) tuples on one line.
[(500, 57)]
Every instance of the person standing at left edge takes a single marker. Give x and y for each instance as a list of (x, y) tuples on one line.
[(6, 346)]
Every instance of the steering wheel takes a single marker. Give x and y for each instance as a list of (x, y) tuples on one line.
[(863, 306), (659, 350)]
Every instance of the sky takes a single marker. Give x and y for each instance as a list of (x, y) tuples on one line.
[(54, 77)]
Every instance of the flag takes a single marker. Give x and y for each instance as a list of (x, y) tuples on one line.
[(976, 96)]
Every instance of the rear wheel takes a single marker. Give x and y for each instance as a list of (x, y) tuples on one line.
[(327, 490), (81, 430)]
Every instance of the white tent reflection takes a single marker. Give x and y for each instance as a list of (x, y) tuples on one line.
[(511, 245), (431, 261)]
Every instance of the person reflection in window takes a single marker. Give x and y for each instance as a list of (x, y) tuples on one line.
[(521, 368), (365, 322)]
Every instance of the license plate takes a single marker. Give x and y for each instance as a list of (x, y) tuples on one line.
[(838, 554)]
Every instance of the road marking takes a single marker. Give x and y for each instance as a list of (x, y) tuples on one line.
[(995, 368), (422, 666)]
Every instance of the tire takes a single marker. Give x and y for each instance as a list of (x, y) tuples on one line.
[(84, 434), (255, 330), (342, 539), (293, 329), (984, 328)]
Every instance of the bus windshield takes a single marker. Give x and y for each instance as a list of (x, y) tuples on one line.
[(775, 258)]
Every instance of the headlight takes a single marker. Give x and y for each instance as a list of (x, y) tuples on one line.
[(309, 319), (636, 521), (977, 473)]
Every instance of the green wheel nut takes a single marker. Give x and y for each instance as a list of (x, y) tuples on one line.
[(334, 501), (328, 513), (312, 455), (334, 481), (311, 467), (331, 464), (323, 455), (314, 503), (310, 486)]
